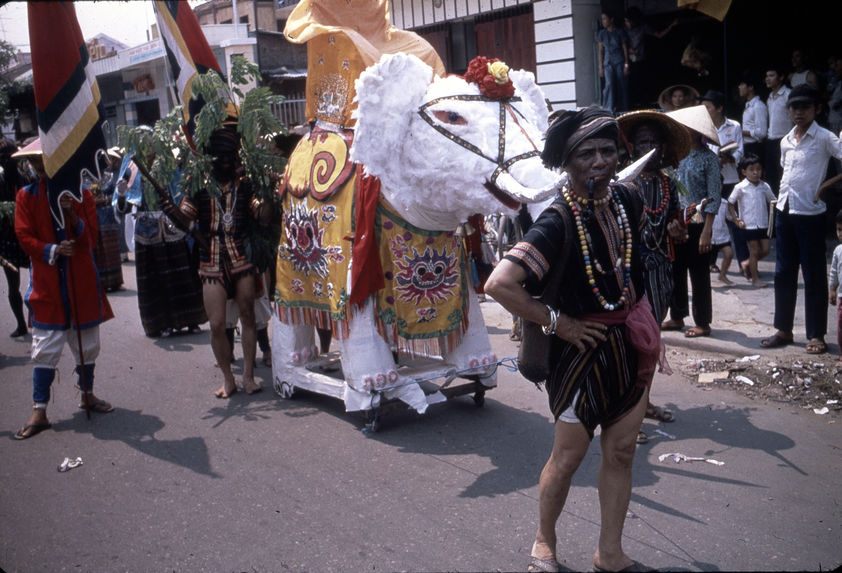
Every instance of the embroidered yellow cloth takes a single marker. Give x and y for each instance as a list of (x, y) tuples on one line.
[(425, 299), (315, 250)]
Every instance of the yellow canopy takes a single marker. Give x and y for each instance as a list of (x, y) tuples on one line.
[(713, 8)]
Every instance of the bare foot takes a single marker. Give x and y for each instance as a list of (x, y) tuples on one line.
[(758, 283), (228, 389), (250, 386), (725, 280), (672, 325)]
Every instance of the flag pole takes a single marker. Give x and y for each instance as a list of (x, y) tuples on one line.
[(74, 313)]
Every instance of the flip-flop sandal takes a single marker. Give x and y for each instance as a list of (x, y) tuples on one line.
[(30, 430), (100, 406), (696, 332), (661, 414), (816, 346), (635, 567), (642, 438), (775, 341), (537, 565)]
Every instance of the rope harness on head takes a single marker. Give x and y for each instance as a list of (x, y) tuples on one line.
[(501, 162)]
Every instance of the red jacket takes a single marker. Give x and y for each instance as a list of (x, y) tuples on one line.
[(68, 292)]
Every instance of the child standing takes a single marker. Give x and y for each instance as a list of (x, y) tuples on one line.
[(721, 240), (752, 196), (835, 275)]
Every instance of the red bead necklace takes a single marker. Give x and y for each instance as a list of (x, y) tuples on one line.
[(666, 187)]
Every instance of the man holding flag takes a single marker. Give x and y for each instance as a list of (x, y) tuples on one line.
[(56, 221)]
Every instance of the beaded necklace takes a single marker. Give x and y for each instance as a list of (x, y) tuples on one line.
[(586, 246), (665, 185), (655, 232), (228, 216), (595, 202)]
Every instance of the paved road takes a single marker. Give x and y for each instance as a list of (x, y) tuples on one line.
[(177, 480)]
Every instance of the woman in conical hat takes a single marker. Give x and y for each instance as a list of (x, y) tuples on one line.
[(678, 96), (699, 184)]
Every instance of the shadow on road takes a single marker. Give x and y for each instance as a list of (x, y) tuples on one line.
[(137, 430)]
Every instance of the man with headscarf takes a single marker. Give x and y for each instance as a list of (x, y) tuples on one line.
[(605, 341)]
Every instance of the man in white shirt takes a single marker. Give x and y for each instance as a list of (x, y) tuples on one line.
[(779, 124), (800, 222), (755, 117)]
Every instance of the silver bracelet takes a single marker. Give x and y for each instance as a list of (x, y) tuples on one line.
[(550, 329)]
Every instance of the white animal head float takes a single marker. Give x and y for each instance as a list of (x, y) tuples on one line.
[(446, 148)]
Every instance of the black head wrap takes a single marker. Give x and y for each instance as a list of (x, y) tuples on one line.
[(223, 145), (224, 141), (571, 128)]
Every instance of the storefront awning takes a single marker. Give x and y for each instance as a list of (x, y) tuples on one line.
[(286, 73)]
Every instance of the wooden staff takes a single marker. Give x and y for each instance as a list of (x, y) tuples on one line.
[(8, 264)]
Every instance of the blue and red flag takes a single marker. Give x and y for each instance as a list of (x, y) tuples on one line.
[(188, 53), (67, 100)]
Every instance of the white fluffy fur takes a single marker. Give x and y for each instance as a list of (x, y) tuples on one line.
[(434, 182)]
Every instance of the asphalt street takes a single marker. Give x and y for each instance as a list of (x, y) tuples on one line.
[(177, 480)]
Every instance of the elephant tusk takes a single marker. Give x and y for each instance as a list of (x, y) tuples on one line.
[(522, 194)]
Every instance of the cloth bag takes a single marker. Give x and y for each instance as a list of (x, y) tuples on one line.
[(534, 356)]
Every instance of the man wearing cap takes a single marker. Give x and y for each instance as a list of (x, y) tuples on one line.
[(65, 300), (605, 341), (800, 222)]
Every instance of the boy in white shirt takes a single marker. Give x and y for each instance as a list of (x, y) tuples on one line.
[(752, 196), (835, 276)]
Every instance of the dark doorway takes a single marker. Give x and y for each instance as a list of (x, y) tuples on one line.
[(148, 112)]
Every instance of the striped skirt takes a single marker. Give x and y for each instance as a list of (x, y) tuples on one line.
[(657, 274), (169, 292), (107, 251), (601, 380)]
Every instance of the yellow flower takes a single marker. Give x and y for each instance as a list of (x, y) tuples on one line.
[(499, 71)]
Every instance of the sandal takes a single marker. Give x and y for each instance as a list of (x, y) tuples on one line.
[(816, 346), (658, 413), (696, 332), (775, 341), (537, 565), (100, 406), (30, 430), (642, 438)]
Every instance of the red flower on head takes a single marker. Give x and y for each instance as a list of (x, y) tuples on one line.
[(478, 72)]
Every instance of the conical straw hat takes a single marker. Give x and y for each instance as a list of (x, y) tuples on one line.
[(698, 119), (677, 143), (665, 101), (34, 148)]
